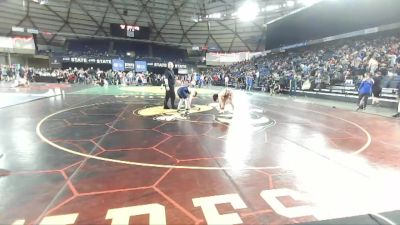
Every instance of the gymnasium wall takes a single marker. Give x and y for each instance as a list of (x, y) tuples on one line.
[(3, 59), (331, 17), (19, 59), (25, 60), (38, 62)]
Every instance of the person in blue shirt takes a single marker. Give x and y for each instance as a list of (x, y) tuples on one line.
[(364, 91), (185, 94), (197, 78), (249, 82)]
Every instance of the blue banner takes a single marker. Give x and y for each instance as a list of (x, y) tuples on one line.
[(140, 66), (118, 65)]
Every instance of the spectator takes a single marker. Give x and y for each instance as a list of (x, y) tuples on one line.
[(249, 82), (373, 65), (376, 88), (292, 84), (364, 91), (398, 99)]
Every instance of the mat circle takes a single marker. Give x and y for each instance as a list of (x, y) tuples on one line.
[(43, 138)]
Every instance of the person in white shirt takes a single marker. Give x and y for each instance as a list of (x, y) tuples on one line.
[(130, 78), (373, 65)]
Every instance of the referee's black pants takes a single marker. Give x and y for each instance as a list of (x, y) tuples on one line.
[(170, 94)]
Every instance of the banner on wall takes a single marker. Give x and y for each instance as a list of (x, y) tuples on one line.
[(22, 45), (55, 62), (129, 66), (229, 58), (85, 60), (140, 66), (118, 65), (6, 42), (164, 65)]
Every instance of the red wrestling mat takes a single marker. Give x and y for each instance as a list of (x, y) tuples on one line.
[(269, 162)]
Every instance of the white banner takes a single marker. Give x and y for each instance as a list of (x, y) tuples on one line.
[(229, 58), (23, 45), (6, 42)]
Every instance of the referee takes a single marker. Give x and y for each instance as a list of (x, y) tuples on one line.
[(169, 81)]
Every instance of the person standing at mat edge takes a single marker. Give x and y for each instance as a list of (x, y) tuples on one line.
[(376, 88), (397, 115), (364, 91), (169, 81)]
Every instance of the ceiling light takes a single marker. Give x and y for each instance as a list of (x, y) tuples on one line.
[(272, 8), (290, 3), (308, 2), (215, 15), (248, 11)]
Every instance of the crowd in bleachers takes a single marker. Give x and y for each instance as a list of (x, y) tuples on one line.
[(120, 49), (117, 55), (124, 78), (317, 67), (75, 75), (95, 76), (103, 77)]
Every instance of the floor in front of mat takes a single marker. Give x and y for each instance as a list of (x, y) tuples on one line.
[(96, 159)]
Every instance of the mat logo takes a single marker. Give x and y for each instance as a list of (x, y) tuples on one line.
[(170, 117), (161, 114), (157, 213)]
